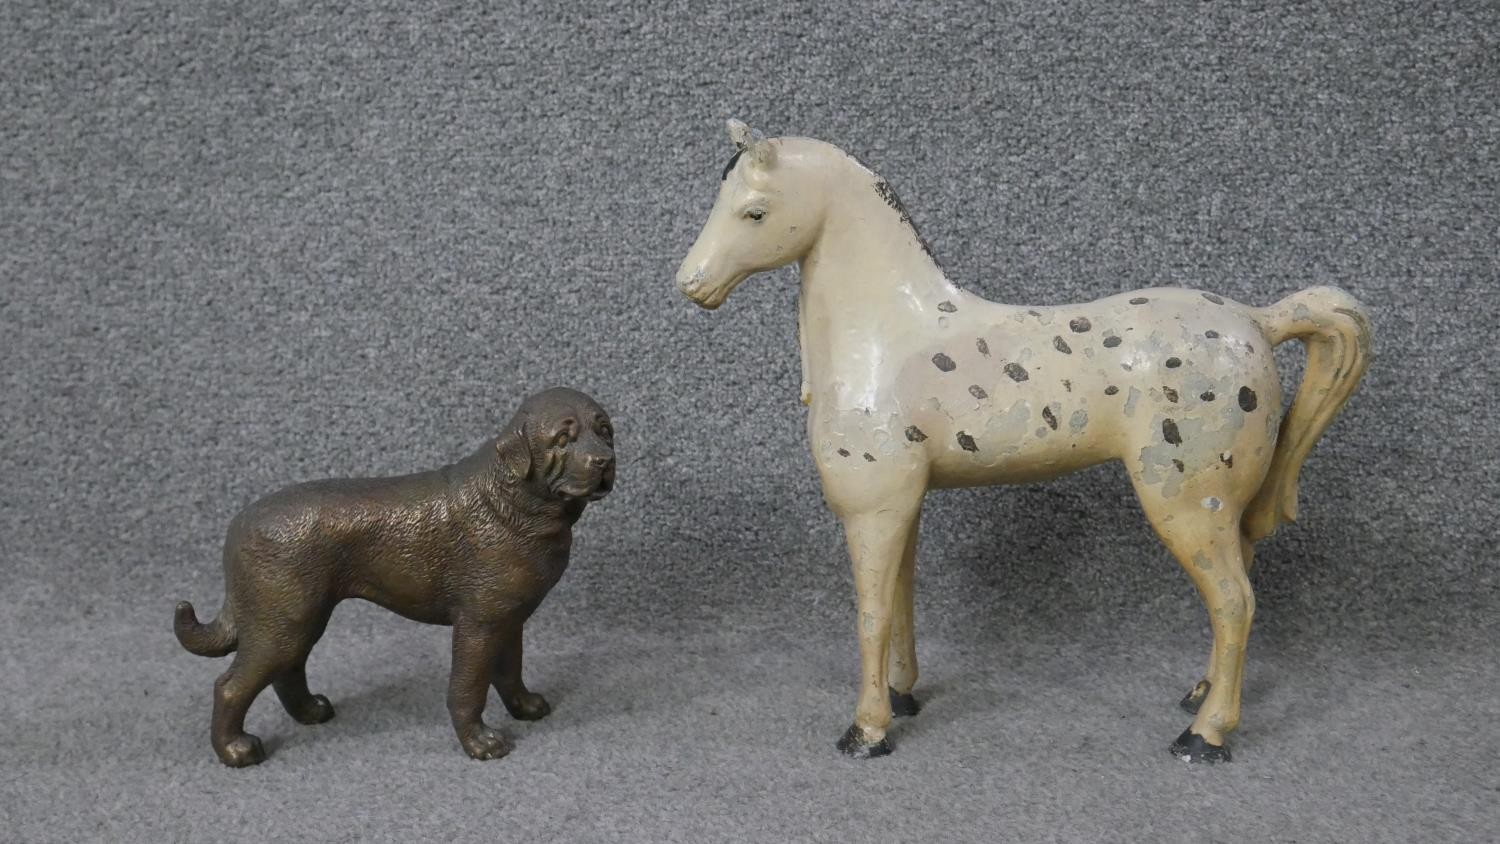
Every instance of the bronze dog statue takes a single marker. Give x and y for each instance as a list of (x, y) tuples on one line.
[(476, 545)]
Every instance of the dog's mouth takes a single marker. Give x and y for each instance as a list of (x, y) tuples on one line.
[(569, 489), (573, 481), (593, 493)]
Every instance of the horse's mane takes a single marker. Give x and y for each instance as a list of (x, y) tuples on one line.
[(888, 194)]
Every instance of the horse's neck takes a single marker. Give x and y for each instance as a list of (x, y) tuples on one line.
[(866, 265), (866, 284)]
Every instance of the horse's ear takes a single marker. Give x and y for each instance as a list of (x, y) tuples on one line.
[(740, 133), (762, 153)]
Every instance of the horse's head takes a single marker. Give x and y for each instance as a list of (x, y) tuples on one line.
[(768, 215)]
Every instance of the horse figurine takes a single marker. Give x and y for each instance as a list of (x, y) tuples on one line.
[(914, 384)]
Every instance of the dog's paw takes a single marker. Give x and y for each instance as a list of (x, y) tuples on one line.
[(485, 743), (316, 710), (242, 751), (528, 706)]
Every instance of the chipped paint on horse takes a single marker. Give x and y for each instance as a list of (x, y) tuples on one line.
[(915, 384)]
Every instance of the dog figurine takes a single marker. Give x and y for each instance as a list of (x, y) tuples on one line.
[(475, 545)]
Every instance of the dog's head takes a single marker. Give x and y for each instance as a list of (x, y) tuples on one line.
[(560, 443)]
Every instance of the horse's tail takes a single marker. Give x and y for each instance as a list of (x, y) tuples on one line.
[(1335, 328), (216, 638)]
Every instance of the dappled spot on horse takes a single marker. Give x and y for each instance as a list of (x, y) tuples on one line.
[(1173, 363), (1111, 390), (1111, 341), (1247, 399), (1139, 300), (978, 392), (1016, 372), (966, 442), (1049, 417), (1170, 393), (1170, 433), (869, 457), (1181, 467), (1227, 459), (1207, 395), (1212, 298), (1211, 334), (947, 307), (1061, 345), (943, 362), (843, 452), (983, 347), (914, 434), (1080, 324)]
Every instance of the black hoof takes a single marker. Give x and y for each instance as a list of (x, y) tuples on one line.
[(904, 705), (1191, 747), (1194, 699), (853, 744)]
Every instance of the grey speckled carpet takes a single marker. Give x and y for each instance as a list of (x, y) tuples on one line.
[(248, 244)]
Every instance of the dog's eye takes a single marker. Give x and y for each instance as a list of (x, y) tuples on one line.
[(606, 431), (756, 214)]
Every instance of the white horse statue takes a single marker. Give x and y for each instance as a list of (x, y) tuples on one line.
[(914, 384)]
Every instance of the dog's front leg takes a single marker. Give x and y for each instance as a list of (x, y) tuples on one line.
[(476, 646), (520, 702)]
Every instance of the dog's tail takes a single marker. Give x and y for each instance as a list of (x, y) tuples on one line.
[(1336, 330), (216, 638)]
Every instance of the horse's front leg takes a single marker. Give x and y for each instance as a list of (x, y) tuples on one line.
[(904, 631), (877, 540)]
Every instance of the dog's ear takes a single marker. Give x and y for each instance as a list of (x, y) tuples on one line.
[(515, 454)]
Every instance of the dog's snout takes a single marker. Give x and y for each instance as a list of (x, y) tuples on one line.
[(601, 461)]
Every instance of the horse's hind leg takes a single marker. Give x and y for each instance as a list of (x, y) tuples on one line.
[(1205, 539), (1193, 700), (903, 634)]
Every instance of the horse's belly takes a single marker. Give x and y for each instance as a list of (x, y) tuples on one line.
[(1020, 443), (1025, 465)]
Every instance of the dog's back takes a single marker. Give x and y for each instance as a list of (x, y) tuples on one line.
[(387, 540)]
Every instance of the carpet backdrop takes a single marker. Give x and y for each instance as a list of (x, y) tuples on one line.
[(247, 244)]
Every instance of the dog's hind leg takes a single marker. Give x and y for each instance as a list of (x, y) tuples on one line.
[(234, 691), (291, 684)]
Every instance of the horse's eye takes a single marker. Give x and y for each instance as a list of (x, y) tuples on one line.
[(756, 214)]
